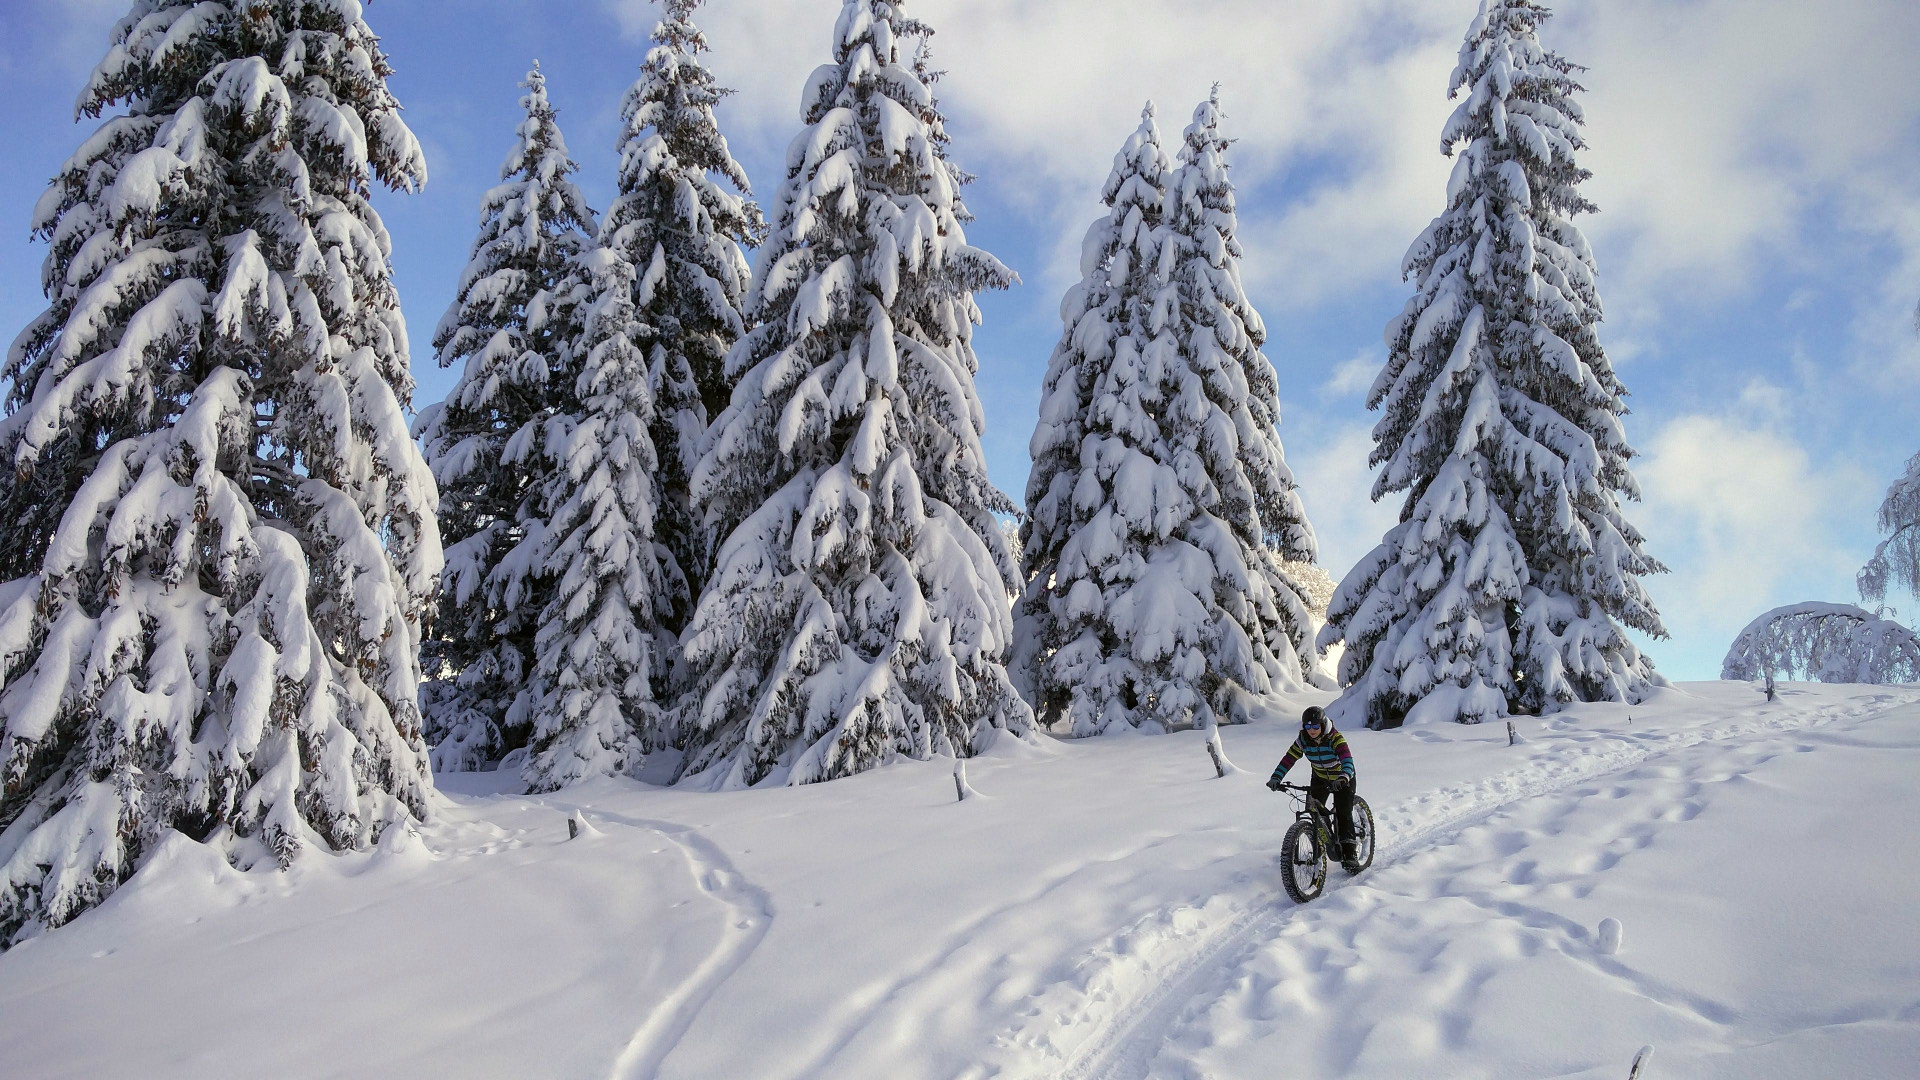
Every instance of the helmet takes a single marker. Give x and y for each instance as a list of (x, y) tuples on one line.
[(1315, 715)]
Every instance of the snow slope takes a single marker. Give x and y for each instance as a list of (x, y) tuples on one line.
[(1104, 909)]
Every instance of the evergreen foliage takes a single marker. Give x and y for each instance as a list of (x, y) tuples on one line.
[(858, 608), (489, 444), (214, 624), (1220, 336), (676, 221), (1505, 587), (1160, 504), (599, 648)]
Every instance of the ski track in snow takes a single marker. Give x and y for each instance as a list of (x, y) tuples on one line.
[(751, 915), (1123, 1044)]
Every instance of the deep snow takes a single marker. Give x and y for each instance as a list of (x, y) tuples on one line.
[(1105, 909)]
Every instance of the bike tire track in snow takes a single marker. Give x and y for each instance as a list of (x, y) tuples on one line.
[(821, 1063), (749, 917), (1123, 1047)]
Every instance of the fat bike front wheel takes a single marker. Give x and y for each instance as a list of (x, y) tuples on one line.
[(1303, 862)]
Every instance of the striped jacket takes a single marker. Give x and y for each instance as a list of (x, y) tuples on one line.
[(1329, 757)]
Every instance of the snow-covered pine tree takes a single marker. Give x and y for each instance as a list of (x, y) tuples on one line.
[(488, 444), (1503, 588), (858, 610), (599, 646), (1896, 562), (1069, 661), (221, 635), (1152, 595), (679, 224), (1220, 335)]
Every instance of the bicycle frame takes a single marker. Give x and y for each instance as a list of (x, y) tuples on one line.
[(1306, 806)]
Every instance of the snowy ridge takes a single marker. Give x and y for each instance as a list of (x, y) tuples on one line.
[(1140, 932), (1121, 1046)]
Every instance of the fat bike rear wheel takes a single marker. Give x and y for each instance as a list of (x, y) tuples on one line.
[(1303, 862), (1362, 838)]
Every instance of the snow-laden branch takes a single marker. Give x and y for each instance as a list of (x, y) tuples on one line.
[(1896, 562)]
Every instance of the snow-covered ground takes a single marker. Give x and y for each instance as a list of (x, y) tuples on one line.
[(1103, 909)]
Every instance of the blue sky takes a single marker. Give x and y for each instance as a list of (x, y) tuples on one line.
[(1757, 165)]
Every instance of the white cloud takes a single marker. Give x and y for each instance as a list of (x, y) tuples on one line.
[(1336, 484), (1738, 511), (1746, 521), (1354, 375), (1718, 125), (1763, 400)]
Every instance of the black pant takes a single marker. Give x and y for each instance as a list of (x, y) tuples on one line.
[(1318, 790)]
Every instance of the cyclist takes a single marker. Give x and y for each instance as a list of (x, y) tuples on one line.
[(1326, 752)]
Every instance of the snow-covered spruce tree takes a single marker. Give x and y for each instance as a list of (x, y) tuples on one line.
[(1152, 596), (858, 610), (1098, 410), (1503, 588), (676, 221), (1833, 643), (1219, 336), (221, 635), (598, 646), (488, 445), (1896, 562)]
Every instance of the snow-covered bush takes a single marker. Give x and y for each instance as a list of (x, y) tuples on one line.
[(489, 445), (1834, 643), (858, 610), (219, 634), (1160, 504), (676, 221), (1896, 562), (1505, 586)]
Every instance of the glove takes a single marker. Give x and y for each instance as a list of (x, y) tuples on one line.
[(1274, 784), (1344, 783)]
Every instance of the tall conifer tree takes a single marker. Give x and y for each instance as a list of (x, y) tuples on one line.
[(220, 634), (599, 647), (490, 443), (1097, 408), (1220, 336), (1506, 586), (858, 611), (1160, 503), (681, 227)]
